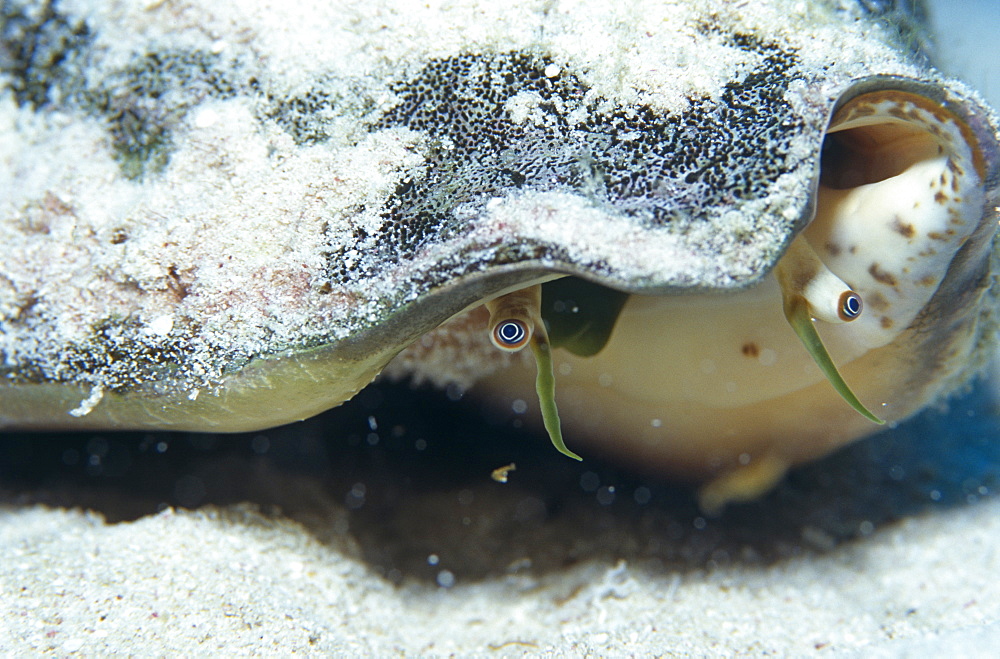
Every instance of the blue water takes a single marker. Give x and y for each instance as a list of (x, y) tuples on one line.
[(967, 33)]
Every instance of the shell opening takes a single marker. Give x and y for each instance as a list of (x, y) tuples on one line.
[(871, 149), (900, 191), (899, 194)]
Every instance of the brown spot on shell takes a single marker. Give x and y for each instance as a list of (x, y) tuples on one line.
[(941, 197), (832, 248), (904, 229), (936, 235), (885, 322), (877, 301), (861, 110), (750, 349), (881, 276), (927, 280)]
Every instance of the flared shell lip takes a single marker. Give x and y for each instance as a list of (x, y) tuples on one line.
[(433, 307), (372, 344), (980, 123)]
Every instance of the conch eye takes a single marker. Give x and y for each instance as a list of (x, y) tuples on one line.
[(809, 290), (511, 334), (516, 321), (850, 306)]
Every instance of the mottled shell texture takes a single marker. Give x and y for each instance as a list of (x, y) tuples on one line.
[(219, 215)]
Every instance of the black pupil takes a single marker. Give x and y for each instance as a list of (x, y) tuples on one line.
[(852, 305), (511, 332)]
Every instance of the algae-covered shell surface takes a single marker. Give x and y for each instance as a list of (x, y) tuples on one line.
[(227, 216)]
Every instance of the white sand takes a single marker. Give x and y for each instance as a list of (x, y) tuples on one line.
[(239, 581)]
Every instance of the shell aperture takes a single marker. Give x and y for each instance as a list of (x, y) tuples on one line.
[(808, 288), (520, 312), (736, 370), (906, 191), (900, 193)]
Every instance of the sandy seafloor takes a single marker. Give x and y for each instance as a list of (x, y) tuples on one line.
[(375, 529), (307, 540)]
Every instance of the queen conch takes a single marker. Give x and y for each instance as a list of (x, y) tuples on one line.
[(733, 236)]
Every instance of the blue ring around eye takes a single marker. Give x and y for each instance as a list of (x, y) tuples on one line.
[(511, 332), (850, 306)]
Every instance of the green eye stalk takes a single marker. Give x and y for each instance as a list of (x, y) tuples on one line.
[(809, 290), (516, 321)]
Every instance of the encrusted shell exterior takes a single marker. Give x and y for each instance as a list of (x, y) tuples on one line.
[(217, 215)]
